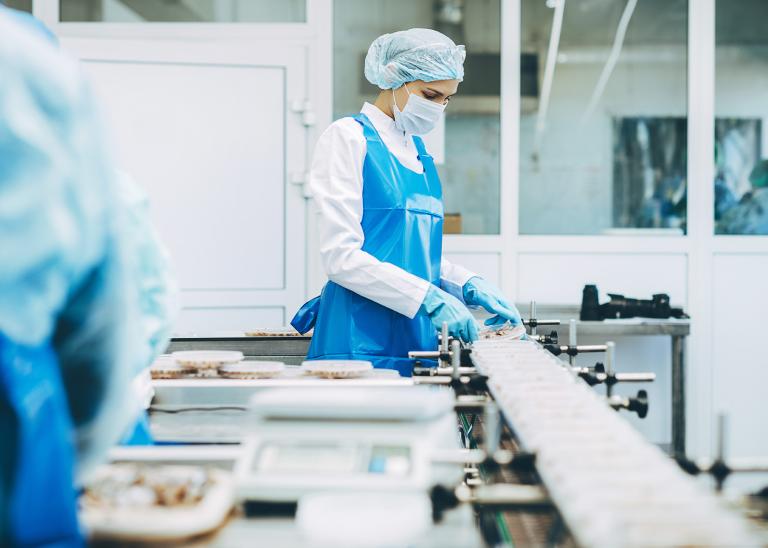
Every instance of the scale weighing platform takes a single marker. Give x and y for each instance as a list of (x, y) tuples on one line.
[(301, 441)]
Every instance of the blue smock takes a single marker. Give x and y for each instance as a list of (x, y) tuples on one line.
[(37, 459), (402, 225)]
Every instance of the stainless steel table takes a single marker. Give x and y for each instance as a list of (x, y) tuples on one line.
[(292, 350)]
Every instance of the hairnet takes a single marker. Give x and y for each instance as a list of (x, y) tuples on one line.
[(759, 175), (415, 54)]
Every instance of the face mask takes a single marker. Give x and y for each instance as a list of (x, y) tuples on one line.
[(419, 116)]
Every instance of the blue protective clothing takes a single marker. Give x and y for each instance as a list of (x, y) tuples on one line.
[(748, 217), (63, 289), (479, 292), (414, 54), (37, 453), (306, 318), (759, 175), (442, 307), (403, 225), (141, 433)]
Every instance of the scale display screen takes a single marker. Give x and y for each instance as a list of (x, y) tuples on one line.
[(331, 458)]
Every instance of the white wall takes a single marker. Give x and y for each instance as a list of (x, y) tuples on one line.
[(740, 290)]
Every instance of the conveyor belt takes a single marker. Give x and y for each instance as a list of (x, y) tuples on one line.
[(612, 487)]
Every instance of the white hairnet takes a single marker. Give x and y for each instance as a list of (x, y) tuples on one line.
[(415, 54)]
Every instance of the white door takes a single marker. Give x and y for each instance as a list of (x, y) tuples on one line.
[(209, 132)]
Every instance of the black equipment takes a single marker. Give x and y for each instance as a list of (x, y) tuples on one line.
[(623, 307)]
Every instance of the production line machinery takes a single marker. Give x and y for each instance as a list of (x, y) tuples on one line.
[(542, 458), (609, 485), (455, 360)]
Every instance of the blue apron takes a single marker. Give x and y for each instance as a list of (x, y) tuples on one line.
[(403, 225), (140, 434), (37, 449)]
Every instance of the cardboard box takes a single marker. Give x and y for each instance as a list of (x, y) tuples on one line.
[(452, 223)]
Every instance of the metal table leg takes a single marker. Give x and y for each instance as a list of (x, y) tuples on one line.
[(678, 395)]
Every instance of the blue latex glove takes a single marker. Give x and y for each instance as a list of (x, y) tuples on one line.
[(478, 292), (444, 307)]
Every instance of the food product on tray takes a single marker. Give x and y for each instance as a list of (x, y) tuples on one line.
[(130, 485), (275, 332), (505, 332), (252, 370), (167, 368), (203, 360), (155, 503), (337, 369)]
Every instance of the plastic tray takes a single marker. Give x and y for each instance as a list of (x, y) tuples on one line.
[(159, 523)]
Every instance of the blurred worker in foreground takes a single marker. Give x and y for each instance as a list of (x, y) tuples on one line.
[(381, 217), (156, 290), (750, 215), (67, 320)]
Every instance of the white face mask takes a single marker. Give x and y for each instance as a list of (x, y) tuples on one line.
[(419, 117)]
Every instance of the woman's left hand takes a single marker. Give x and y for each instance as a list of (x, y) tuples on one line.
[(479, 292)]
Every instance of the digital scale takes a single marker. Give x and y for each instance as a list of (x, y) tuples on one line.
[(302, 441)]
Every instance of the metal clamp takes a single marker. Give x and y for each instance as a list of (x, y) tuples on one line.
[(637, 404)]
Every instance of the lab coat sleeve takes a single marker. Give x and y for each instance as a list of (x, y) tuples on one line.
[(336, 183), (453, 277)]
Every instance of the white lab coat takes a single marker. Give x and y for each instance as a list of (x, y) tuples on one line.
[(336, 183)]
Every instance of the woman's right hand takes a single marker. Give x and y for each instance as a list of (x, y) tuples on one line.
[(442, 307)]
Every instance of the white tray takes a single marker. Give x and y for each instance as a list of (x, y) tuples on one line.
[(159, 523)]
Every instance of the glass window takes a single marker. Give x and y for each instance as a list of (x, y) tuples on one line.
[(23, 5), (184, 11), (466, 149), (741, 106), (603, 147)]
